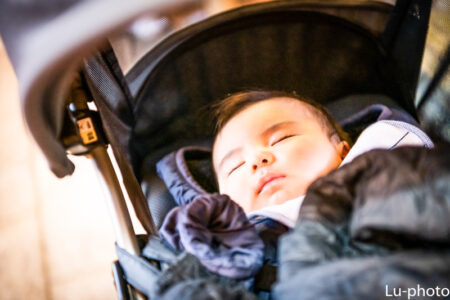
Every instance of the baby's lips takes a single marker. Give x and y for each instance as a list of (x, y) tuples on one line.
[(263, 181)]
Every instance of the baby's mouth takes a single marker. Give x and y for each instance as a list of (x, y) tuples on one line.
[(266, 181)]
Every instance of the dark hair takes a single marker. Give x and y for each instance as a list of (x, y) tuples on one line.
[(227, 108)]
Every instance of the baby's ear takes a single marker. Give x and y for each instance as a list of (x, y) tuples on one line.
[(343, 148)]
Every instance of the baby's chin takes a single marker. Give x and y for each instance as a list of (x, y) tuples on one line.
[(276, 198), (282, 196)]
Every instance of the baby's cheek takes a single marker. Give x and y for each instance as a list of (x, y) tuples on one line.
[(230, 188), (241, 201), (295, 189)]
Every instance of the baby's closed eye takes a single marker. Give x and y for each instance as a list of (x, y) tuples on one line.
[(281, 138), (237, 166)]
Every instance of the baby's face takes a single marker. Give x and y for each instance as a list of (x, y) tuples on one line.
[(271, 152)]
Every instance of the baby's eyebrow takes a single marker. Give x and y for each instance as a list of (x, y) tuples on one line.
[(277, 126), (227, 156)]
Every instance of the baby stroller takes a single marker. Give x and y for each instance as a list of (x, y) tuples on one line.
[(344, 48)]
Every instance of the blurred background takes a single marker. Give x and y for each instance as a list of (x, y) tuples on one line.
[(56, 238)]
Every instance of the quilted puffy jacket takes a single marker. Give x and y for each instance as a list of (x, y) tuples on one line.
[(377, 224)]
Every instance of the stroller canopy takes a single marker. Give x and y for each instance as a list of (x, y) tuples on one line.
[(46, 42)]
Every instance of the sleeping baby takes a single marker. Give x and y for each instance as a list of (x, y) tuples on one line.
[(271, 146)]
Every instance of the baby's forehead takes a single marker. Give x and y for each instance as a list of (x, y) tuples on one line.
[(256, 117), (271, 107), (265, 112)]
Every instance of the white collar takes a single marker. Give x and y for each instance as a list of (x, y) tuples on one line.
[(285, 213)]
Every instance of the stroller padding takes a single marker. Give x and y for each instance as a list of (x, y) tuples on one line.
[(158, 197), (187, 173)]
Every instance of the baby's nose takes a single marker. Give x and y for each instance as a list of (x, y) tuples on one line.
[(262, 158)]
